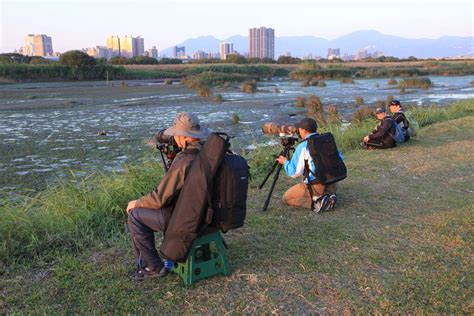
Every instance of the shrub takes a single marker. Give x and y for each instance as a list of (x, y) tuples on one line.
[(235, 118), (333, 115), (76, 58), (168, 82), (305, 82), (218, 98), (424, 83), (362, 114), (300, 102), (315, 109), (379, 104), (347, 80), (249, 86), (203, 91), (359, 100), (392, 82)]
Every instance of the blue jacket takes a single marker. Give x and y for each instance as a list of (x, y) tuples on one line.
[(295, 167)]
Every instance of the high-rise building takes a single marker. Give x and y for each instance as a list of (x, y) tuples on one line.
[(179, 51), (139, 46), (334, 53), (362, 54), (97, 52), (262, 43), (153, 52), (200, 55), (226, 49), (38, 45), (113, 44), (127, 46)]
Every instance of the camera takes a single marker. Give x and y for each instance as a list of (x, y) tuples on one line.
[(167, 147)]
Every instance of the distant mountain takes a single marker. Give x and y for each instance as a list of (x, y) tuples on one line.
[(299, 46)]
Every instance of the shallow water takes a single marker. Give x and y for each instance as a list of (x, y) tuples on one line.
[(48, 129)]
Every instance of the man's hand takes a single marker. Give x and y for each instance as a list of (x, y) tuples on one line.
[(131, 205), (366, 139), (281, 160)]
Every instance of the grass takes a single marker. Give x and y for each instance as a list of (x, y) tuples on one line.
[(424, 83), (394, 245)]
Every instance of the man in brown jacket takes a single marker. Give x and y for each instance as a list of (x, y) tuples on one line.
[(152, 212)]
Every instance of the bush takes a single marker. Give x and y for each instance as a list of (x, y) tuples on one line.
[(203, 91), (321, 83), (305, 82), (359, 100), (347, 80), (362, 114), (424, 83), (218, 98), (249, 86), (333, 115), (300, 102), (76, 58), (392, 82), (235, 118), (168, 81), (315, 109)]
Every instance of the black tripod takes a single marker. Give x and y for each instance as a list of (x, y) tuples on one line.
[(288, 143)]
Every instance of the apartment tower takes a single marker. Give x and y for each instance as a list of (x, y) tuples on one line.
[(262, 43), (37, 45)]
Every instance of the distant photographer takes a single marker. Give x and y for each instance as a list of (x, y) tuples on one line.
[(152, 212), (313, 192), (382, 136), (398, 115)]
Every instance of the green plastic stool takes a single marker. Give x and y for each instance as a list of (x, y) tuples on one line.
[(207, 257)]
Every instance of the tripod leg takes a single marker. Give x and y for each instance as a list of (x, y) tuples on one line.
[(268, 175), (269, 196)]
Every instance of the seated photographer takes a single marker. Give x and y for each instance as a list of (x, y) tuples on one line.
[(152, 212), (381, 137), (399, 117), (299, 195)]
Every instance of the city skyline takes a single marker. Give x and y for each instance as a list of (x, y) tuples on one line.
[(165, 24)]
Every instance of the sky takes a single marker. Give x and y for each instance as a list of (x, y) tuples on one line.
[(76, 24)]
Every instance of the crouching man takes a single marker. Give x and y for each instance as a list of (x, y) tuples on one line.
[(323, 197), (381, 137), (152, 212)]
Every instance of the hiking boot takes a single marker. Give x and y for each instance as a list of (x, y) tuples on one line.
[(145, 273), (321, 203), (331, 202)]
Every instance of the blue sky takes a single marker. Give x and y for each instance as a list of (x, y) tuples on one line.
[(77, 24)]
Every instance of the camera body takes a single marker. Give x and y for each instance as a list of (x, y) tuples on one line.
[(167, 146)]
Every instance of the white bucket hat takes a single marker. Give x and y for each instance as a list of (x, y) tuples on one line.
[(187, 124)]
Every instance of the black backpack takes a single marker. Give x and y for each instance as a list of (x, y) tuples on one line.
[(329, 165), (229, 198)]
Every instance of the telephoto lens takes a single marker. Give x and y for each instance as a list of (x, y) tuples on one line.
[(161, 138), (276, 129)]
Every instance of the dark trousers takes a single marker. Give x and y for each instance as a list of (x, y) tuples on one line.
[(380, 143), (142, 224)]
